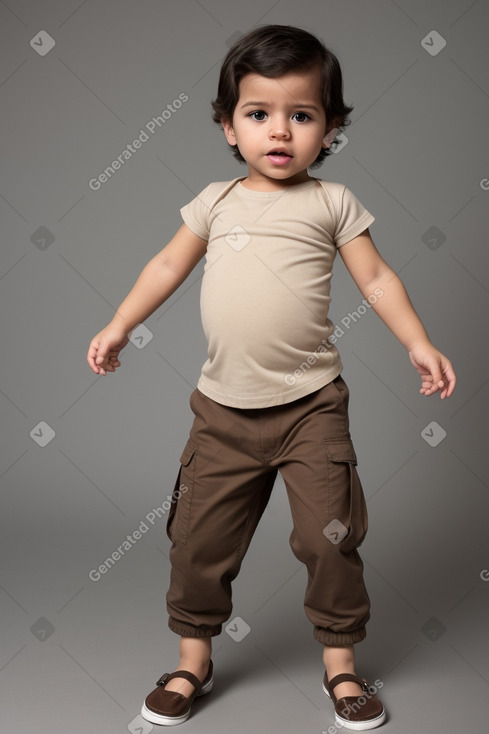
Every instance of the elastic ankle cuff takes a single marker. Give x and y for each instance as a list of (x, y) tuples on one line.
[(339, 639), (189, 630)]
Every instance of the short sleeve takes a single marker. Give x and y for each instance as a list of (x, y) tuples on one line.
[(196, 213), (352, 219)]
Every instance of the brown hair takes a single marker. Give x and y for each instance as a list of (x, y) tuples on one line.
[(274, 50)]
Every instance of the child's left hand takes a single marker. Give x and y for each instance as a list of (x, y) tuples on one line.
[(435, 369)]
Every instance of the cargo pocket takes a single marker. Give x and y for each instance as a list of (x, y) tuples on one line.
[(347, 509), (177, 525)]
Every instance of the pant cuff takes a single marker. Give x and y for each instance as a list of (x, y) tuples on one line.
[(339, 639), (189, 630)]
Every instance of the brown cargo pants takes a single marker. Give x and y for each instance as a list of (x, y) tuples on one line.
[(228, 469)]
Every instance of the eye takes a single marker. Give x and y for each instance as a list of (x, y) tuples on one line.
[(302, 114), (257, 112)]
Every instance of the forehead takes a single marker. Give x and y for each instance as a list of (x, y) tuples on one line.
[(292, 87)]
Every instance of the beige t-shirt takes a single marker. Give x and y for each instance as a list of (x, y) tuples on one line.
[(266, 287)]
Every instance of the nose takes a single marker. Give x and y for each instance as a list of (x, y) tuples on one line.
[(279, 130)]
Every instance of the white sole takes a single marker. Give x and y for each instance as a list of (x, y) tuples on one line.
[(357, 725), (155, 718)]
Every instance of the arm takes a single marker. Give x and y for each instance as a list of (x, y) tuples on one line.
[(370, 271), (158, 280)]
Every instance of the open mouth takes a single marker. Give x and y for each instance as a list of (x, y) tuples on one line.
[(279, 156)]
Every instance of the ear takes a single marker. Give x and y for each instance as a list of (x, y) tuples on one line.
[(329, 137), (228, 131)]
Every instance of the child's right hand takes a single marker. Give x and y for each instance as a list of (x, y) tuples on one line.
[(104, 349)]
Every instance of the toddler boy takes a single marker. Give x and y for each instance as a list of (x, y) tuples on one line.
[(271, 396)]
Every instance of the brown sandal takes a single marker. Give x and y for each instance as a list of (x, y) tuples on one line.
[(355, 712), (170, 707)]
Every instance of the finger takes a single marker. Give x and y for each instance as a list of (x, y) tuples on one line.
[(101, 364), (448, 389), (452, 380), (92, 364), (91, 356), (102, 359), (431, 388), (437, 378), (97, 368)]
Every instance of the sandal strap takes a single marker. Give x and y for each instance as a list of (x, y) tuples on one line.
[(344, 677), (180, 674)]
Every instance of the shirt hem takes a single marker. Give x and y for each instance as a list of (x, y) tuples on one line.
[(360, 225), (192, 225), (269, 401)]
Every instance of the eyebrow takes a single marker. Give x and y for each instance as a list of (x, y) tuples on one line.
[(264, 104)]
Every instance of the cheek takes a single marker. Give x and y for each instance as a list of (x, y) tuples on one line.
[(247, 135), (315, 139)]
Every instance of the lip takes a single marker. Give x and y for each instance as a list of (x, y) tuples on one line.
[(279, 150), (280, 160)]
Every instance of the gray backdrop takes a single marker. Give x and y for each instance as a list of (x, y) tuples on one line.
[(86, 461)]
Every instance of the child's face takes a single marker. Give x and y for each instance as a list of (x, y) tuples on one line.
[(284, 112)]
